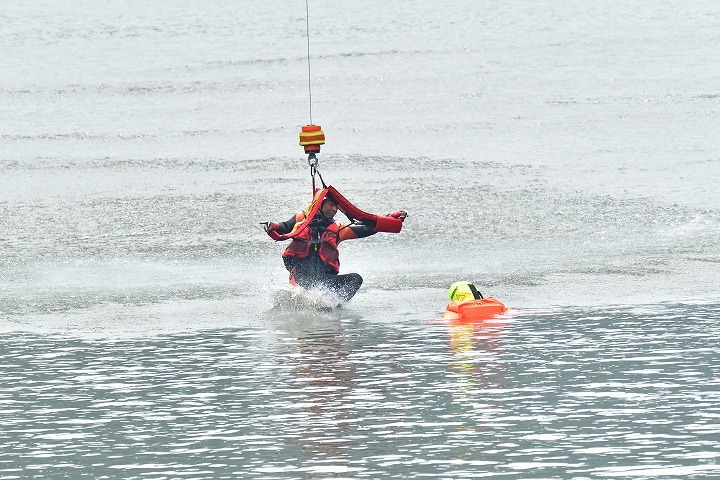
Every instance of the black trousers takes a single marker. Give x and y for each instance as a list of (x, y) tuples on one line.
[(344, 286), (311, 273)]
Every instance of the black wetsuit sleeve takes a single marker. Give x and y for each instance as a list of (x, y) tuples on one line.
[(286, 226), (361, 230)]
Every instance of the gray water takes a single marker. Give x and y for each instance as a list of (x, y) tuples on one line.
[(615, 392), (562, 157)]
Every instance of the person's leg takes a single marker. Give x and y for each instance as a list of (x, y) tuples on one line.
[(345, 286)]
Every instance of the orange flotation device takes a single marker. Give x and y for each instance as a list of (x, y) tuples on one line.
[(480, 309), (311, 137)]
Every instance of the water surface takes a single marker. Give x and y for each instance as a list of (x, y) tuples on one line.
[(562, 157)]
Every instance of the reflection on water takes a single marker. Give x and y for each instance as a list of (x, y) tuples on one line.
[(580, 394), (475, 368)]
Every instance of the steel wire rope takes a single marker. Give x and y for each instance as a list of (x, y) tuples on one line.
[(307, 31)]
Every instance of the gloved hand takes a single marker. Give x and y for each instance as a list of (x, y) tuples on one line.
[(401, 214), (270, 226)]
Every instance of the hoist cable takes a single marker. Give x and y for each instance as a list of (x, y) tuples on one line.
[(307, 19)]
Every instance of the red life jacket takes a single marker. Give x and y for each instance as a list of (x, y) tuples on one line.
[(327, 248)]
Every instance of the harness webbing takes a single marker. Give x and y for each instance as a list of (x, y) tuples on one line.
[(475, 291)]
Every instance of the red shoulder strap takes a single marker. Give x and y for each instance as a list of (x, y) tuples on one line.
[(380, 223), (309, 214)]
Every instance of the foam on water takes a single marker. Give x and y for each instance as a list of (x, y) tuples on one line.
[(297, 299), (105, 231)]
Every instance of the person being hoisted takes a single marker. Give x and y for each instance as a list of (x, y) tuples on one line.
[(312, 258)]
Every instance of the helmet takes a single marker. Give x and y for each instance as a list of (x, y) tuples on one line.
[(463, 291)]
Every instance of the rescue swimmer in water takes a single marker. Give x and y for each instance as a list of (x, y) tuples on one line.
[(312, 258), (468, 304)]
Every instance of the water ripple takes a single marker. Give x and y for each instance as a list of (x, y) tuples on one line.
[(594, 393)]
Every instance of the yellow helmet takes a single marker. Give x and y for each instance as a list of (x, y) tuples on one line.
[(463, 291)]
